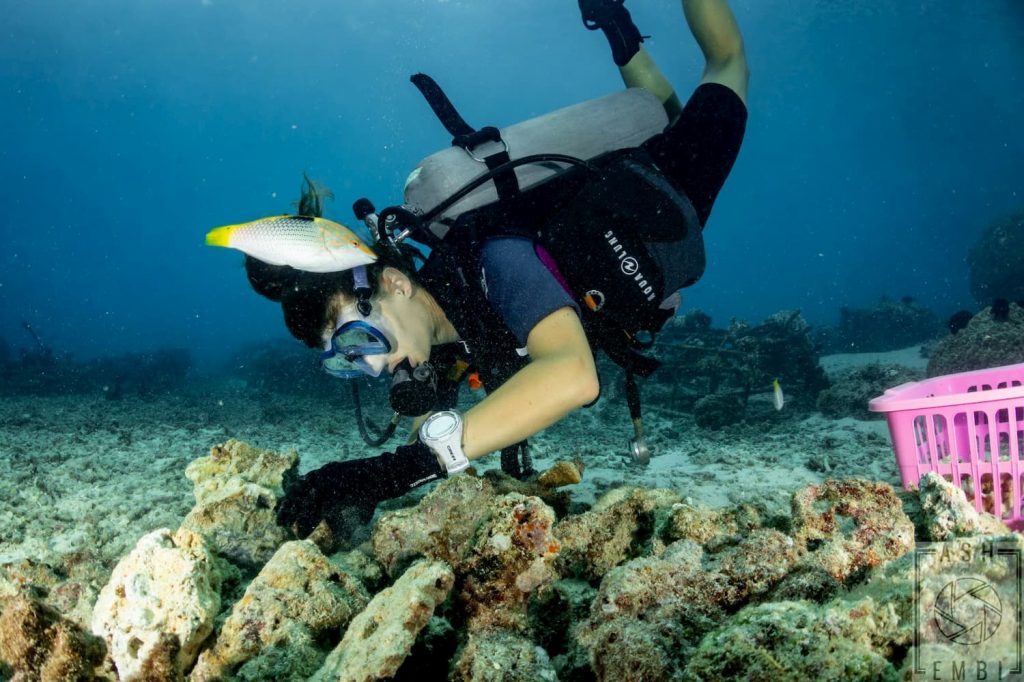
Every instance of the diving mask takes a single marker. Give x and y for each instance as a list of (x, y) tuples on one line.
[(358, 347)]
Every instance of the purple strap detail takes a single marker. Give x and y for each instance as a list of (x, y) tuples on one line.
[(552, 267)]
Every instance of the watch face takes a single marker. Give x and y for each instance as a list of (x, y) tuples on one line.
[(440, 425)]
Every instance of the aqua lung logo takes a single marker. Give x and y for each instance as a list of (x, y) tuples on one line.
[(629, 266)]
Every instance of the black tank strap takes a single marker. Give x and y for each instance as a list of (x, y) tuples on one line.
[(467, 137), (441, 105), (505, 182)]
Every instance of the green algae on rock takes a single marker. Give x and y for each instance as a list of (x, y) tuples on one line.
[(275, 631), (237, 488), (850, 525), (379, 639), (37, 643), (622, 525)]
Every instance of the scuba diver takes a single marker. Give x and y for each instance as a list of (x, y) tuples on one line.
[(519, 289)]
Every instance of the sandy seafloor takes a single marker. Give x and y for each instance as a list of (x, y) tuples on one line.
[(82, 478)]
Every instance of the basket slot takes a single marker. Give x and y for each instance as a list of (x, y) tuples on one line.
[(1018, 522), (961, 439), (932, 438), (971, 420), (1001, 499), (983, 424), (1013, 495), (971, 491), (921, 440)]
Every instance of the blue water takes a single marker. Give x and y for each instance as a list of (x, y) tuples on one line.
[(883, 138)]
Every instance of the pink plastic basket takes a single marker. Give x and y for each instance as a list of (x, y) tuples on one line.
[(967, 427)]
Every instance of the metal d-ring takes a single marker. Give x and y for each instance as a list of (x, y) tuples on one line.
[(475, 158)]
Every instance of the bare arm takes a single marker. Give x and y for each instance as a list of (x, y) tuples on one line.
[(714, 27), (560, 378)]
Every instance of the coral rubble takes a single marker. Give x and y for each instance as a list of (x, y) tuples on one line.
[(236, 489), (479, 581), (561, 474), (851, 525), (727, 366), (299, 599), (618, 528), (887, 325), (501, 548), (946, 513), (502, 656), (37, 643), (379, 639), (166, 587)]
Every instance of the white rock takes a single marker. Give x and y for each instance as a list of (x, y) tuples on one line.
[(166, 584)]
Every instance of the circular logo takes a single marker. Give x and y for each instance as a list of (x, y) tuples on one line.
[(968, 611), (629, 265)]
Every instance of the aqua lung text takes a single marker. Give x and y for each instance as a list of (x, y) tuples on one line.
[(628, 265)]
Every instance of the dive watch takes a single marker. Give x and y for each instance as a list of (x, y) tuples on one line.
[(442, 433)]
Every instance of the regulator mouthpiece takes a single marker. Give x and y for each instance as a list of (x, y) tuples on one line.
[(413, 390)]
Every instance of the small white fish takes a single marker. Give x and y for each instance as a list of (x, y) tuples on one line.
[(777, 396), (310, 244)]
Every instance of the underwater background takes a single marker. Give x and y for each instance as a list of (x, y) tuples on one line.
[(153, 408), (883, 138)]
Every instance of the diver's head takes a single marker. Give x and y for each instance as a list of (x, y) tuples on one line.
[(405, 319)]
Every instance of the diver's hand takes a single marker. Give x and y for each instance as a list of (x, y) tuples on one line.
[(339, 491), (328, 493)]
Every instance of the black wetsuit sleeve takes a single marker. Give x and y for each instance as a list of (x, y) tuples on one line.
[(698, 150), (519, 286)]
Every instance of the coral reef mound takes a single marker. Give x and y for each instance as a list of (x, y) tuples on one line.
[(997, 261), (885, 326), (851, 389), (984, 342)]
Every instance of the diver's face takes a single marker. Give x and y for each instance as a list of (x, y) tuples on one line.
[(402, 317), (410, 322)]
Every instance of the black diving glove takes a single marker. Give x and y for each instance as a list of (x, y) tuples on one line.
[(612, 17), (343, 492)]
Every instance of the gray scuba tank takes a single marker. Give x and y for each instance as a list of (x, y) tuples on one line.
[(617, 121)]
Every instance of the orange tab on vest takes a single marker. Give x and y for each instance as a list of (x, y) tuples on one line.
[(458, 369)]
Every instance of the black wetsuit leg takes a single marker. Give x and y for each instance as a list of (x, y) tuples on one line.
[(696, 153)]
